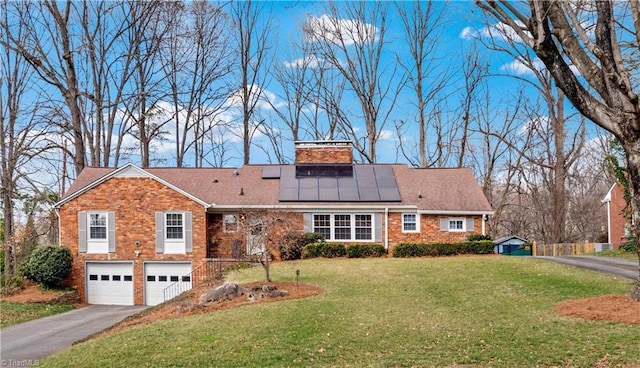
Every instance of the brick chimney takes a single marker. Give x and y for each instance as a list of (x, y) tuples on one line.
[(324, 152)]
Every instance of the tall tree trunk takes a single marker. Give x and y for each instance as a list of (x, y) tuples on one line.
[(633, 170)]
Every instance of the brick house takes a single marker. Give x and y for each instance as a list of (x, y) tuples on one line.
[(133, 232), (618, 226)]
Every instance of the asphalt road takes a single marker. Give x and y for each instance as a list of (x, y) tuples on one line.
[(610, 265), (25, 344)]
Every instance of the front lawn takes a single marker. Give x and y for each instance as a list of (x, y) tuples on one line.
[(14, 313), (427, 312)]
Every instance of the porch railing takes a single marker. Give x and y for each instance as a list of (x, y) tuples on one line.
[(207, 271)]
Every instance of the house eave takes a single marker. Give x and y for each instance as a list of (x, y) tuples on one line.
[(455, 212), (119, 170)]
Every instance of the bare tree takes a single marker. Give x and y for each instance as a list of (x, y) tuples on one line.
[(23, 135), (351, 38), (140, 106), (263, 230), (579, 45), (254, 32), (497, 163), (48, 46), (422, 24), (196, 61)]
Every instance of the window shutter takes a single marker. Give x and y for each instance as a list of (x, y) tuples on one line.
[(82, 232), (111, 231), (159, 232), (444, 224), (188, 233), (307, 219), (377, 219), (470, 224)]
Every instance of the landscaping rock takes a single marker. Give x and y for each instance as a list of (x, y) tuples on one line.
[(264, 291), (226, 291)]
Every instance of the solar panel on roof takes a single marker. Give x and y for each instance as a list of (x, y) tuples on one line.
[(347, 190), (308, 189), (328, 189), (370, 183), (271, 172), (324, 170)]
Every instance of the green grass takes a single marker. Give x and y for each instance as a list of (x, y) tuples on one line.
[(617, 253), (14, 313), (430, 312)]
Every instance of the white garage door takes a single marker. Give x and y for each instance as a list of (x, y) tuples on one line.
[(160, 275), (109, 283)]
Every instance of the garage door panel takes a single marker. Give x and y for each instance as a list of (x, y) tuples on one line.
[(109, 283), (160, 275)]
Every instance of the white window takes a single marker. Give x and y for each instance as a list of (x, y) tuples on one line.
[(98, 226), (410, 223), (457, 224), (230, 223), (174, 238), (174, 226), (344, 226), (98, 235), (174, 232), (322, 225)]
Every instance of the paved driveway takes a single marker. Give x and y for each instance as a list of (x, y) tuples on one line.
[(24, 344), (611, 265)]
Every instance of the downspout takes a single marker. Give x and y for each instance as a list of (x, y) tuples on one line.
[(609, 238), (57, 211), (386, 228), (484, 219)]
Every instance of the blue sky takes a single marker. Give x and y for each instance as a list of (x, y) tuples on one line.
[(462, 20)]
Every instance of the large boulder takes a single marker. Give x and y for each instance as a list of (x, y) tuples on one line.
[(226, 291)]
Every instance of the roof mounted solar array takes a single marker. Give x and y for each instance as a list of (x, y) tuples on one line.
[(271, 172), (328, 170), (367, 183)]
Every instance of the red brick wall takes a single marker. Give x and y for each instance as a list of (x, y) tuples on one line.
[(617, 220), (429, 230), (134, 201), (287, 222), (321, 154)]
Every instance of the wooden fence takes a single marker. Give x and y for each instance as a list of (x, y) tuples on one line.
[(563, 249)]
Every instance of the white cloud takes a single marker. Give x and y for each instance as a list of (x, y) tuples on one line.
[(311, 62), (540, 123), (519, 67), (499, 31), (339, 31), (468, 33)]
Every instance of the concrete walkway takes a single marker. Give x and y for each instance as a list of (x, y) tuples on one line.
[(615, 266), (24, 344)]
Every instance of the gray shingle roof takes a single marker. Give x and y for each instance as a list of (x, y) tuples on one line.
[(427, 190)]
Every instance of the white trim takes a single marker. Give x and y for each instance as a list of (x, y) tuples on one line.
[(175, 245), (236, 216), (417, 222), (97, 245), (128, 170), (456, 219), (386, 229), (455, 213), (95, 261), (326, 207), (352, 226)]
